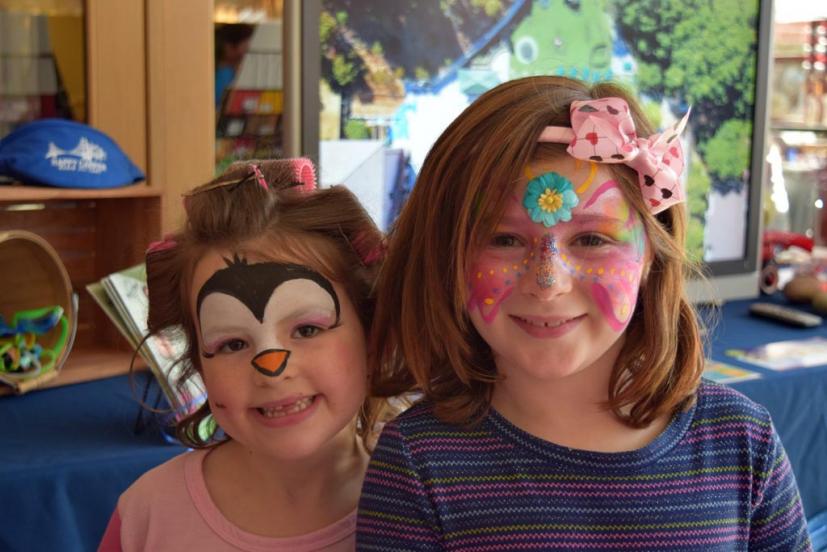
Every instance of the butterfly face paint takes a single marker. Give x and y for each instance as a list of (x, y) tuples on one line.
[(239, 307), (584, 267)]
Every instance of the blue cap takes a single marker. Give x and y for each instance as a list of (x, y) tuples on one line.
[(62, 153)]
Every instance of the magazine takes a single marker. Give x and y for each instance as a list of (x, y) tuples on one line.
[(720, 372), (123, 297), (785, 355)]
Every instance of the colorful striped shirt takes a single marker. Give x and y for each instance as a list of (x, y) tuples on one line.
[(717, 478)]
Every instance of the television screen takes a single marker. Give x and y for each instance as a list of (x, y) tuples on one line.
[(394, 74)]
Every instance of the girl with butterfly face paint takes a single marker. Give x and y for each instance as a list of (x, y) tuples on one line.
[(271, 281), (533, 294)]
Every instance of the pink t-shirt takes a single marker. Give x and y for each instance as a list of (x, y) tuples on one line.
[(169, 508)]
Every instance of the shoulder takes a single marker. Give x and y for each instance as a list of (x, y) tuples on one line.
[(419, 439), (417, 422), (165, 476), (163, 486), (158, 500), (725, 418), (721, 401)]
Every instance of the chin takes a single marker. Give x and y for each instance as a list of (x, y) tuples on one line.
[(547, 371)]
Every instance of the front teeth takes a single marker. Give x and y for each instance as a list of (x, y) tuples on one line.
[(544, 324), (279, 411)]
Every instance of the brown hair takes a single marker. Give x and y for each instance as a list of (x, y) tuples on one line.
[(328, 229), (422, 337)]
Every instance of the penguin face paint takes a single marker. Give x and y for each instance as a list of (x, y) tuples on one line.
[(239, 307), (282, 353)]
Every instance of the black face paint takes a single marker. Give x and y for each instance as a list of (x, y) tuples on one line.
[(253, 285)]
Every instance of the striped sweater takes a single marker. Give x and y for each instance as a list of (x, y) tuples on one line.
[(717, 478)]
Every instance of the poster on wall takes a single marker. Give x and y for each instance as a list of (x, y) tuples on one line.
[(397, 73)]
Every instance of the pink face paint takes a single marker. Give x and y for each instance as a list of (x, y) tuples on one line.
[(615, 273), (616, 301), (490, 283), (602, 248)]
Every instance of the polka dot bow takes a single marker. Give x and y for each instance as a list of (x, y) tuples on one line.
[(603, 131)]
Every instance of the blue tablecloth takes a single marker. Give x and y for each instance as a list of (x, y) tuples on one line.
[(66, 454), (796, 399)]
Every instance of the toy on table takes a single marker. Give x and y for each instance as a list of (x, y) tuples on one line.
[(21, 356), (776, 244)]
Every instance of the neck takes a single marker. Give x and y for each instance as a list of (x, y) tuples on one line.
[(282, 498), (571, 411), (305, 479)]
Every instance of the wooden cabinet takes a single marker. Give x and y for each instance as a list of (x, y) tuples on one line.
[(149, 83)]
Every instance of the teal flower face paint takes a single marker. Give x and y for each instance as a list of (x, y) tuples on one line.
[(549, 198)]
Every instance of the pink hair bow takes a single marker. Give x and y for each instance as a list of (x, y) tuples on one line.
[(603, 131)]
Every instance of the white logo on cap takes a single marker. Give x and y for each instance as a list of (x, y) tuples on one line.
[(87, 157)]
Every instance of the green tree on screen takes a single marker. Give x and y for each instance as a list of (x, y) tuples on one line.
[(701, 53)]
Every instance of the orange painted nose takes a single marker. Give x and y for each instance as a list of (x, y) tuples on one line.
[(271, 362)]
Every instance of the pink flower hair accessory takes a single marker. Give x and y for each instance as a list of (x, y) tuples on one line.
[(603, 131)]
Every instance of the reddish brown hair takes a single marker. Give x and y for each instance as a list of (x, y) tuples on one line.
[(422, 337), (327, 229)]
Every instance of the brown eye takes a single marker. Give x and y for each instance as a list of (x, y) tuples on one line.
[(505, 240), (591, 240), (306, 331), (233, 346)]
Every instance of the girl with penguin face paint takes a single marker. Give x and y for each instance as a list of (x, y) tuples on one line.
[(271, 281)]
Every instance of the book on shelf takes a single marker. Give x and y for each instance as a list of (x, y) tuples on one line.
[(123, 297)]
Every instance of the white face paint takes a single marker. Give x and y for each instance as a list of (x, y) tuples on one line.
[(228, 327)]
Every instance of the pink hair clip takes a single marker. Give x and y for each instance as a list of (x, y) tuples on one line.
[(259, 177), (603, 131)]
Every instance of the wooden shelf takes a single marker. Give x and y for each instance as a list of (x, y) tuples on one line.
[(90, 364), (19, 193)]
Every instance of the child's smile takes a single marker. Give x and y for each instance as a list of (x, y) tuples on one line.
[(573, 276)]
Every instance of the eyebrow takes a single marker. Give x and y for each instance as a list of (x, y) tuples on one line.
[(579, 218)]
